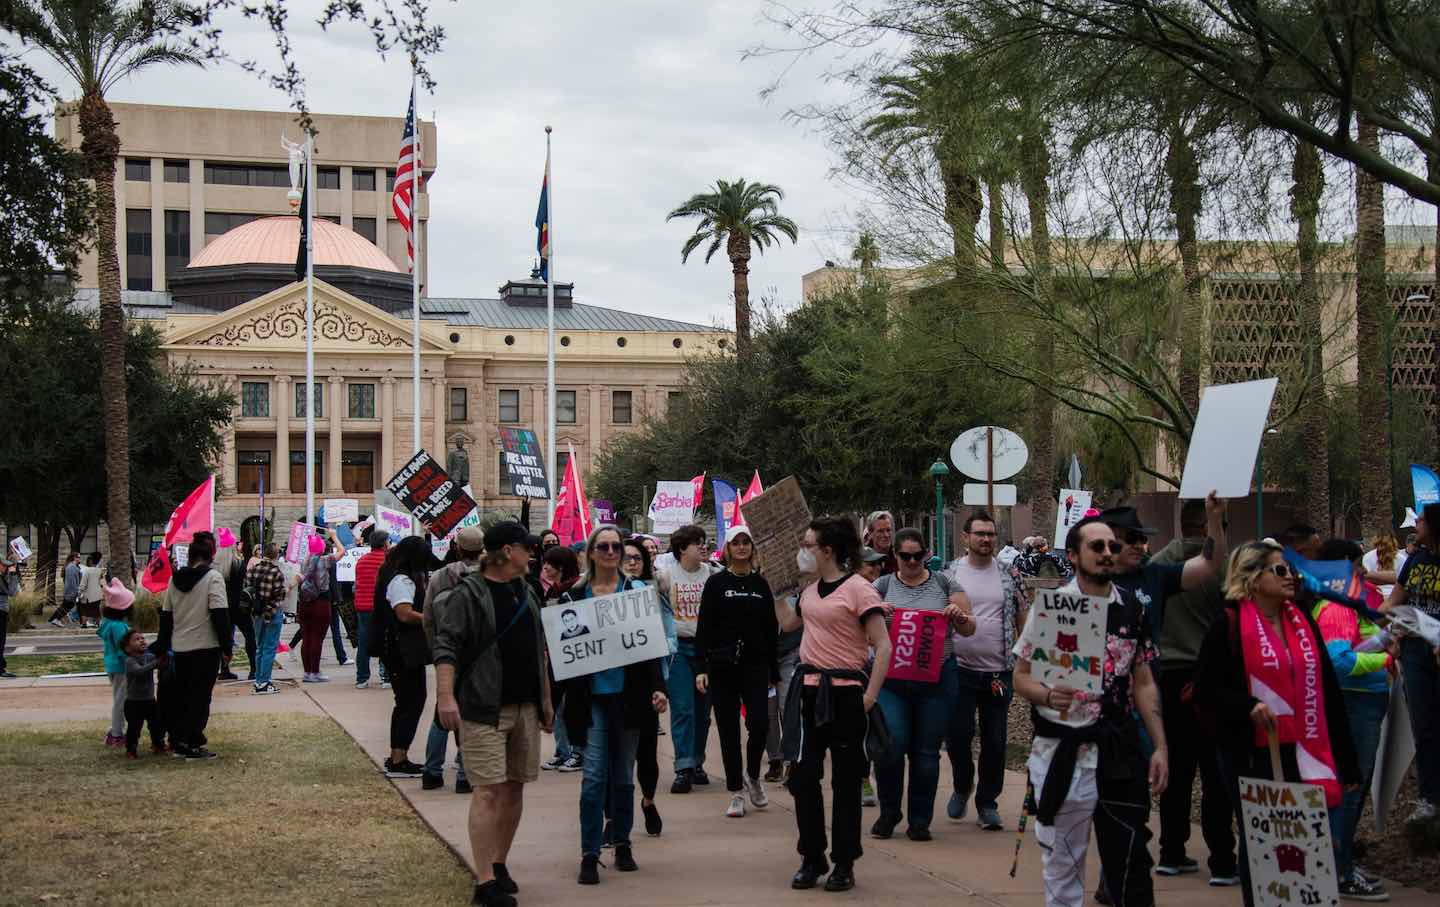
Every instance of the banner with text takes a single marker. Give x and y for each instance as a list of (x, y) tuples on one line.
[(673, 506), (297, 548), (341, 510), (524, 463), (778, 519), (1073, 504), (917, 639), (1287, 838), (397, 523), (345, 567), (608, 631), (427, 491), (1069, 640)]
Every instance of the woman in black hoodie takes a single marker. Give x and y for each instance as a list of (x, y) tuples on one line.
[(397, 623), (735, 641)]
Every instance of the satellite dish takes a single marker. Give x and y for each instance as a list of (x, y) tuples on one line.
[(1009, 453)]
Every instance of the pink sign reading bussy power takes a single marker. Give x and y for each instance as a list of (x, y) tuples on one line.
[(917, 639)]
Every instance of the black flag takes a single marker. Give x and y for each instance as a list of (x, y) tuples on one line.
[(300, 261)]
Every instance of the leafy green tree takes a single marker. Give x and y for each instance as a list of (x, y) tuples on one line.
[(738, 216)]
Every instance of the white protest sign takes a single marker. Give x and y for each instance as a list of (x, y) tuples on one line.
[(1226, 439), (608, 631), (179, 556), (673, 506), (20, 549), (1069, 637), (440, 548), (297, 548), (341, 510), (1287, 837), (1393, 757), (345, 567), (1073, 504), (396, 522)]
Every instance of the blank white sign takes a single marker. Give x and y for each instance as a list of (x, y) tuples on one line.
[(975, 495), (1226, 439)]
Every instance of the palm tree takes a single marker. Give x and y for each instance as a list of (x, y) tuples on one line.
[(1307, 188), (737, 215), (866, 252), (98, 43)]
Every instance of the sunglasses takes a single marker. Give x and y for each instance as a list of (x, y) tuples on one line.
[(609, 547), (1283, 571), (910, 555), (1135, 538), (1099, 546), (633, 557)]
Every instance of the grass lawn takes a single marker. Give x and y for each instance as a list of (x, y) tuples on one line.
[(291, 813), (89, 662)]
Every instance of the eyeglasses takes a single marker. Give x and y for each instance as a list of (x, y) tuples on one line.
[(1099, 545), (1283, 571), (910, 555), (1135, 538), (609, 547)]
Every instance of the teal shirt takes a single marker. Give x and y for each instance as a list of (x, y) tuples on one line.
[(111, 632)]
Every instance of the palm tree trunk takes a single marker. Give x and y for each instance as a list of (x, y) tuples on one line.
[(101, 147), (1371, 326), (1035, 176), (995, 202), (1432, 173), (738, 248), (47, 556), (1308, 184), (962, 210), (1184, 173)]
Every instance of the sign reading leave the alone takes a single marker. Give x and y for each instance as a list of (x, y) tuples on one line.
[(1069, 640), (1287, 839), (524, 463), (607, 631), (428, 492)]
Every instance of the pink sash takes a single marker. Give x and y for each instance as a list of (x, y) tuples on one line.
[(1287, 674)]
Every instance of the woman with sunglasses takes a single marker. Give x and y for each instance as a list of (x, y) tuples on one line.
[(1264, 671), (917, 712), (610, 710)]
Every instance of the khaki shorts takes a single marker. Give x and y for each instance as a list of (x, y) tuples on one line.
[(509, 752)]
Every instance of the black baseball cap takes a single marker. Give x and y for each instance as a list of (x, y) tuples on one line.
[(506, 533), (1126, 520)]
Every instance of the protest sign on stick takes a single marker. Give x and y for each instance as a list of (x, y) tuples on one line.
[(673, 506), (607, 631), (1069, 640), (345, 567), (1073, 504), (524, 462), (1226, 439), (428, 492), (778, 519), (341, 510), (917, 639), (297, 547), (1287, 838), (20, 549)]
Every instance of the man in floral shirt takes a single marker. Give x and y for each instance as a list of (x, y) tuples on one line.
[(1087, 748)]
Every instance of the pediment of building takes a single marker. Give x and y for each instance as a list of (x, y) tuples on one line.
[(276, 322)]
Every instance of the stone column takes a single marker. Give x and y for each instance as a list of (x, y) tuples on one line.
[(386, 466), (228, 464), (597, 405), (337, 411), (197, 205), (440, 409), (347, 197), (280, 478), (157, 223)]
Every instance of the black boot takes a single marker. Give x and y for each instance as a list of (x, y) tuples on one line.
[(808, 874), (842, 877), (502, 878), (624, 859), (589, 871), (489, 894)]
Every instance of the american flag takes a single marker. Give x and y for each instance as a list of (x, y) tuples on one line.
[(401, 199)]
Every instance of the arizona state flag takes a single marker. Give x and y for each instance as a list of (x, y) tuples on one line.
[(542, 223)]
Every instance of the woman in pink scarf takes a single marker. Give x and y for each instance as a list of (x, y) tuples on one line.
[(1264, 668)]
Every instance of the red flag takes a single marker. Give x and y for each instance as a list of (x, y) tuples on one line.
[(572, 509), (157, 573), (195, 514), (755, 489), (698, 484)]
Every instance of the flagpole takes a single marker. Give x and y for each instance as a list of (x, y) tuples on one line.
[(415, 183), (309, 332), (550, 331)]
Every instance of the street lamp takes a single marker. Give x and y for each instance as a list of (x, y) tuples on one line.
[(1260, 485), (938, 472)]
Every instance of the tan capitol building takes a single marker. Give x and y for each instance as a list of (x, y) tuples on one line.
[(228, 304)]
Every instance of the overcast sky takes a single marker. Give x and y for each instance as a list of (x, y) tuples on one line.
[(650, 101)]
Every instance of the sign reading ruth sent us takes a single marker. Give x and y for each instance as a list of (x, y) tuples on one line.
[(608, 631)]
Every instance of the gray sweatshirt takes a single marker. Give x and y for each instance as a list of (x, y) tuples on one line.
[(140, 677)]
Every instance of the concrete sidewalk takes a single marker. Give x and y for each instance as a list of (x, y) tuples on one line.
[(705, 858)]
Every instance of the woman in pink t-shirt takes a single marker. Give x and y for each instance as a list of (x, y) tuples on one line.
[(843, 619)]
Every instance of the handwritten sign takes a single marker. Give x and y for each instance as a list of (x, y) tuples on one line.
[(20, 549), (297, 547), (778, 520), (1069, 640), (341, 510), (917, 639), (524, 463), (673, 506), (608, 631), (1073, 504), (396, 522), (345, 567), (1287, 837), (180, 556), (427, 491)]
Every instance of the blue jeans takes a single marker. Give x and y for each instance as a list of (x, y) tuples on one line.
[(975, 694), (689, 710), (435, 745), (1367, 712), (267, 640), (362, 649), (918, 715), (609, 774), (1422, 694), (563, 749), (337, 633)]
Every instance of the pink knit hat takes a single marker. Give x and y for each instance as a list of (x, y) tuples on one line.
[(117, 597), (317, 545)]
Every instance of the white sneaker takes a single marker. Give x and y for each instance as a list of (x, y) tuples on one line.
[(756, 788), (362, 684), (552, 763), (320, 678), (1424, 811), (266, 690), (737, 807)]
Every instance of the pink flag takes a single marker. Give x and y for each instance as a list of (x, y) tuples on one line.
[(157, 572), (195, 514), (572, 510), (754, 490), (698, 485)]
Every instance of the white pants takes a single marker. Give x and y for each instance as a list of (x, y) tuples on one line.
[(1063, 845)]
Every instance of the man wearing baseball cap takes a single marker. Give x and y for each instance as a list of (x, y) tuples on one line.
[(492, 687)]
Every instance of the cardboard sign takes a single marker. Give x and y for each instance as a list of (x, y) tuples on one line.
[(1073, 504), (341, 510), (427, 491), (673, 506), (396, 522), (1287, 837), (20, 549), (608, 631), (917, 639), (524, 462), (345, 567), (1226, 439), (778, 520), (298, 546), (1069, 640)]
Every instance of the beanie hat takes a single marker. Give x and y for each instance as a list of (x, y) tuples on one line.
[(117, 597), (317, 545)]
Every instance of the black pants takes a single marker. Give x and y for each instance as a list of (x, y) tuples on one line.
[(1122, 836), (977, 696), (408, 685), (138, 712), (729, 687), (844, 739), (246, 624), (195, 674), (4, 631), (65, 608), (647, 762), (1190, 750)]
